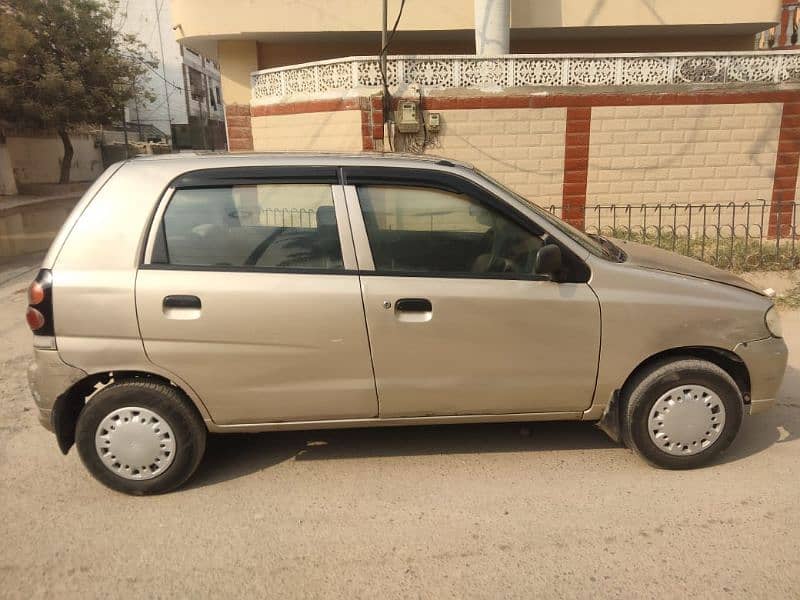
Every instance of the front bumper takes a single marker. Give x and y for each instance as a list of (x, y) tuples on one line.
[(766, 362), (48, 378)]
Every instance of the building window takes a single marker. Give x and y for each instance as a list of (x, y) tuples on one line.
[(196, 87)]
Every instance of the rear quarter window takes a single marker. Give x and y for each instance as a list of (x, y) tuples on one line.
[(279, 226)]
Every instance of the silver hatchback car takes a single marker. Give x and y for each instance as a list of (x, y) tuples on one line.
[(245, 293)]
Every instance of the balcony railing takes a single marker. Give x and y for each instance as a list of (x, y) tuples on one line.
[(335, 77)]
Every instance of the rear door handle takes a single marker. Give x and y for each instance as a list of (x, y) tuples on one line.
[(413, 305), (182, 301)]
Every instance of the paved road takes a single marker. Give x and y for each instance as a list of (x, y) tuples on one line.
[(550, 510)]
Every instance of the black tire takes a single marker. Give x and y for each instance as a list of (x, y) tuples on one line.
[(647, 387), (166, 401)]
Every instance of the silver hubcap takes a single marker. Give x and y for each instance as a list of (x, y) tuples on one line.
[(135, 443), (686, 420)]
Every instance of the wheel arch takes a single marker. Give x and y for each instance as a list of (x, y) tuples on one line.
[(726, 360), (68, 406)]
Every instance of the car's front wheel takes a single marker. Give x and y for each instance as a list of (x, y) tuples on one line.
[(681, 414), (140, 436)]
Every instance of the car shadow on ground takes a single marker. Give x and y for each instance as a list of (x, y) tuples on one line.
[(237, 455)]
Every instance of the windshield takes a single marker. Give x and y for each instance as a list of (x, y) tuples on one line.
[(595, 246)]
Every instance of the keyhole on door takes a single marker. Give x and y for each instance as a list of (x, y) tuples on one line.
[(387, 305)]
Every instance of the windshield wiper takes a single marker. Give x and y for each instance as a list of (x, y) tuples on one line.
[(613, 251)]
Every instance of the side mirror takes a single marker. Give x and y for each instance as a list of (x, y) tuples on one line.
[(548, 260)]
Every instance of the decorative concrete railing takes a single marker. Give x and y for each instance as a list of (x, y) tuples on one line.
[(329, 77)]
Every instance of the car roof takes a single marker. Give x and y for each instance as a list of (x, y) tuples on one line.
[(306, 158)]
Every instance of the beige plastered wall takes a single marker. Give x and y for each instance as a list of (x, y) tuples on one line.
[(231, 18), (38, 159), (522, 147), (334, 131), (714, 153)]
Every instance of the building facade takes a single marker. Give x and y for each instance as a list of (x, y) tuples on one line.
[(578, 105), (187, 108)]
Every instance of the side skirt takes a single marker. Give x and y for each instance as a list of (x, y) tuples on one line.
[(392, 422)]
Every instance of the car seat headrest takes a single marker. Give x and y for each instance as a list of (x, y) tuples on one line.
[(326, 216)]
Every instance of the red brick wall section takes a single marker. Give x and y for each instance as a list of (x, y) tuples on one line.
[(786, 165), (240, 132), (377, 117), (576, 165)]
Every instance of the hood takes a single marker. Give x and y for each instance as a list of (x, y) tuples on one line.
[(651, 257)]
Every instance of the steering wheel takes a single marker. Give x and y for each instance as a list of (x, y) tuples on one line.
[(506, 265), (259, 250)]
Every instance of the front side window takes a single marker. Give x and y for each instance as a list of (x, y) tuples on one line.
[(284, 226), (587, 242), (425, 230)]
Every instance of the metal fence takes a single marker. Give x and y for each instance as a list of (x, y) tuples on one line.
[(740, 236), (289, 217)]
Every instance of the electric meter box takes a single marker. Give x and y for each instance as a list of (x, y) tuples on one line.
[(433, 122), (406, 117)]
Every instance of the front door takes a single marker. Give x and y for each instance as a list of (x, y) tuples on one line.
[(251, 297), (458, 322)]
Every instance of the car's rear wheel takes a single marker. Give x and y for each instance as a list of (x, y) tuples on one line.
[(681, 414), (140, 437)]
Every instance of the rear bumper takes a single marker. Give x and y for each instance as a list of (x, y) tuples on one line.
[(766, 363), (48, 378)]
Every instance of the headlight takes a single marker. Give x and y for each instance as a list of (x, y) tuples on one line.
[(773, 321)]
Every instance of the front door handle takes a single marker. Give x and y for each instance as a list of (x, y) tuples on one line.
[(182, 301), (413, 305)]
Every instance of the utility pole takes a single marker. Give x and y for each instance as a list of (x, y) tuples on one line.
[(492, 27), (387, 103), (164, 70), (384, 34), (138, 120), (125, 131), (204, 116)]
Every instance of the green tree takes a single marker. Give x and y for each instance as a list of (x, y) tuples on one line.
[(63, 64)]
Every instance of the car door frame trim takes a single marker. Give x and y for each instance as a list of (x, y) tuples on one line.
[(232, 176), (352, 177)]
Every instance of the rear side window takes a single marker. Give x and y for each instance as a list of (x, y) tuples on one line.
[(284, 226)]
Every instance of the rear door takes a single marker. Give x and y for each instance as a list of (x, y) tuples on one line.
[(249, 293), (459, 323)]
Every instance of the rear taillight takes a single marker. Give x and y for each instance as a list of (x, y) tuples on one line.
[(40, 304), (34, 318), (35, 293)]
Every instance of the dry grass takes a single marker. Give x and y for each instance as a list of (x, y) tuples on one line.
[(790, 298)]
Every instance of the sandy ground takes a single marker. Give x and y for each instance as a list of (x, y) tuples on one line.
[(546, 510)]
